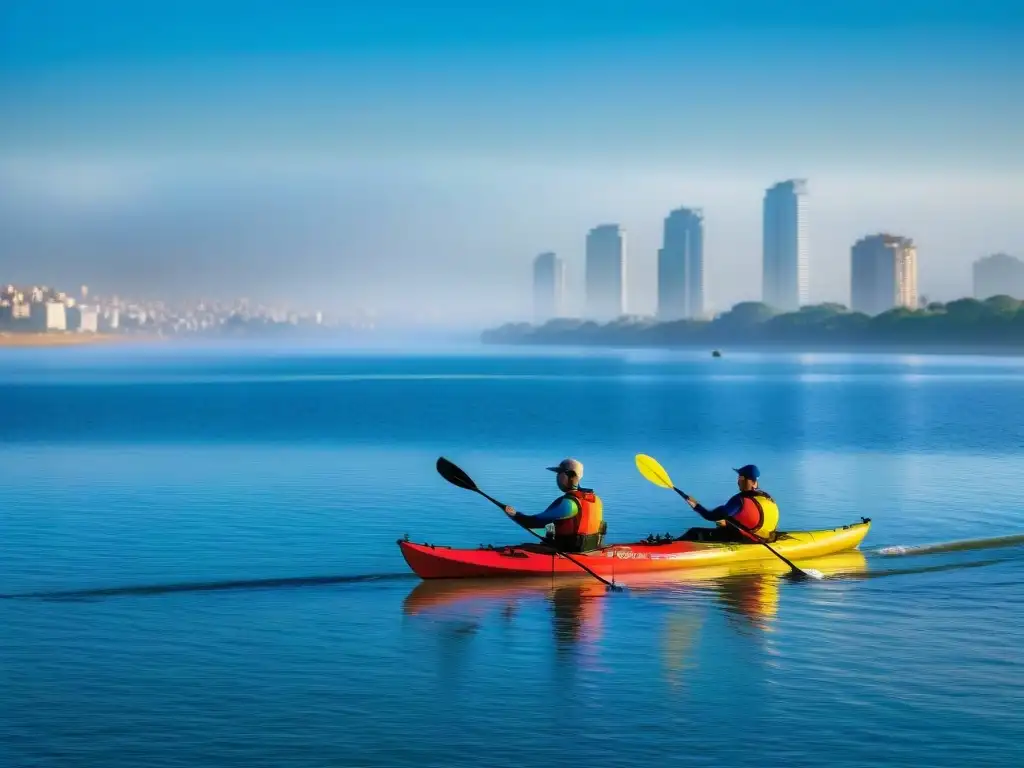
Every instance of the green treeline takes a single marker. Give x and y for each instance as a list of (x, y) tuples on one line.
[(994, 322)]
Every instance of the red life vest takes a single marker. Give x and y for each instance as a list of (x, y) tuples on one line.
[(759, 514), (588, 520)]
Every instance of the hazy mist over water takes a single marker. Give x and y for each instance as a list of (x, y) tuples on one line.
[(413, 162)]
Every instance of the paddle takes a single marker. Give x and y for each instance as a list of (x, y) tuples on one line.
[(457, 477), (655, 473)]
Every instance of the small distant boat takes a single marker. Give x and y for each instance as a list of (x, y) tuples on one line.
[(716, 353)]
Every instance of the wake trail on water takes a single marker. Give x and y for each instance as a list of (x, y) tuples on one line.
[(961, 545), (877, 573), (896, 553), (208, 586)]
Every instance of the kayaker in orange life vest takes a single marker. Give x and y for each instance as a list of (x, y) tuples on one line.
[(752, 509), (578, 514)]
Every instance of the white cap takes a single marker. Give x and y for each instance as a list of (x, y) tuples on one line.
[(569, 465)]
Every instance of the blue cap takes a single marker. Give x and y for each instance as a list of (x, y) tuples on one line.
[(750, 471)]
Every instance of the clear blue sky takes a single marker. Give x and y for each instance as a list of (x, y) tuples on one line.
[(405, 154)]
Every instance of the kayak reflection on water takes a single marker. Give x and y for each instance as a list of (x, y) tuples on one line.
[(751, 599), (750, 602), (576, 614), (578, 604)]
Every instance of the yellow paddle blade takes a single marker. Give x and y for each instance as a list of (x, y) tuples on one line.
[(653, 471)]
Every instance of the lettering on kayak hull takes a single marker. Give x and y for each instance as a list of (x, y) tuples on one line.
[(626, 554)]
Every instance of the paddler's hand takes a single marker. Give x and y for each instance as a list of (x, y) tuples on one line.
[(692, 502), (510, 511)]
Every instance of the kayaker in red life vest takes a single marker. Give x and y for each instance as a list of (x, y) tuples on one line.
[(577, 515), (752, 508)]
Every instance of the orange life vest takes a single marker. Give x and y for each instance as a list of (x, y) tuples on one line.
[(588, 520)]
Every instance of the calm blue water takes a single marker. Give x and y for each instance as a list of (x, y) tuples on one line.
[(225, 523)]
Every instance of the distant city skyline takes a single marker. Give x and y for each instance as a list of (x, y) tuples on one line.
[(36, 308), (681, 266), (785, 250), (883, 270), (606, 273), (883, 267), (883, 274), (998, 274), (405, 158), (548, 286)]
